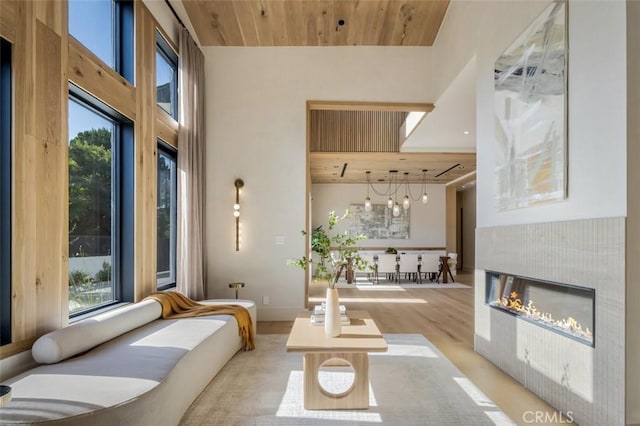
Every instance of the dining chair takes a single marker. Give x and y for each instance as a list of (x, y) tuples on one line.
[(408, 266), (388, 266), (430, 265)]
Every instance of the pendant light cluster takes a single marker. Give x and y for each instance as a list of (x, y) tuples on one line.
[(392, 192)]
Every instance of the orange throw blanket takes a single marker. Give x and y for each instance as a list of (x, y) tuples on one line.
[(177, 305)]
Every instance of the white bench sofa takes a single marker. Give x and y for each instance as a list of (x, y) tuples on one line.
[(126, 366)]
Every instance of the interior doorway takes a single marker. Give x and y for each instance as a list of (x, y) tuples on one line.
[(466, 227)]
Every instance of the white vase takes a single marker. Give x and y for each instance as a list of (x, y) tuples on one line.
[(332, 324)]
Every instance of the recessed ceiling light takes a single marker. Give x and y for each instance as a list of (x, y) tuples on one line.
[(466, 132)]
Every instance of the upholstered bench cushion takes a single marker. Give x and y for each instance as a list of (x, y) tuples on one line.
[(86, 334)]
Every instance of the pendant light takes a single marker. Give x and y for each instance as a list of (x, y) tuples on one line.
[(390, 200), (425, 197), (396, 209), (406, 203), (396, 206), (367, 201)]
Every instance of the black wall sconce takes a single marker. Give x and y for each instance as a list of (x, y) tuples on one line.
[(239, 183)]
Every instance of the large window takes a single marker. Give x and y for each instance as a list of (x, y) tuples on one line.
[(100, 204), (166, 77), (6, 108), (105, 27), (167, 210)]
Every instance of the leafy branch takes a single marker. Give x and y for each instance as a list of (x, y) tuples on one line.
[(335, 250)]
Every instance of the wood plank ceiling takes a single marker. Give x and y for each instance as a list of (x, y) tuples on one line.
[(316, 22), (351, 167), (346, 140)]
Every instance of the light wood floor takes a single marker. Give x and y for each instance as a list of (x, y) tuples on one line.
[(445, 317)]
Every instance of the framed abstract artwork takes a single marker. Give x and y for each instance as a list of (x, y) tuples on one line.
[(379, 223), (530, 83)]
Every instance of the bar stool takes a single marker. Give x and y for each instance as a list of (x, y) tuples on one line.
[(236, 286)]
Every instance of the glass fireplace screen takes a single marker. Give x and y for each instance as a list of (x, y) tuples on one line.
[(565, 309)]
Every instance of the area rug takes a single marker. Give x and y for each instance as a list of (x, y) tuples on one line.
[(411, 384)]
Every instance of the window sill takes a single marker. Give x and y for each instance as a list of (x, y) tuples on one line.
[(97, 312)]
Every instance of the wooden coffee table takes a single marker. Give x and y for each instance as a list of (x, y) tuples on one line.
[(350, 348)]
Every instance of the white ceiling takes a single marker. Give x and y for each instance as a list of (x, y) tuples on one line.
[(442, 130)]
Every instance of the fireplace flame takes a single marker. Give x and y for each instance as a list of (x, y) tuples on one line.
[(514, 304)]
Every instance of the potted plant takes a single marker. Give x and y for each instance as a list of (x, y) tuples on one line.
[(336, 251)]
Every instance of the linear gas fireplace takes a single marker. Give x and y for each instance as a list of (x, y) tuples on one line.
[(563, 308)]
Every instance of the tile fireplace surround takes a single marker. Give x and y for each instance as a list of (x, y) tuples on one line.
[(587, 381)]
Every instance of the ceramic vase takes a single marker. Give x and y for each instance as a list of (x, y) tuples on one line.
[(332, 324)]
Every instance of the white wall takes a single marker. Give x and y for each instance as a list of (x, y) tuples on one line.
[(256, 130), (597, 101), (426, 221), (596, 120)]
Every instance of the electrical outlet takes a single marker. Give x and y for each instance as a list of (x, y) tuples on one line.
[(265, 300)]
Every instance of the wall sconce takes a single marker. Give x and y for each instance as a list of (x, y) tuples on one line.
[(239, 183)]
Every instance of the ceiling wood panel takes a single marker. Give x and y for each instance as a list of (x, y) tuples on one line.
[(264, 32), (279, 13), (245, 12), (326, 167), (316, 22)]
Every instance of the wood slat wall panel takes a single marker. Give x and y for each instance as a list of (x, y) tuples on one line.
[(369, 106), (145, 154), (8, 20), (315, 22), (355, 131), (88, 72)]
